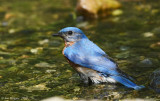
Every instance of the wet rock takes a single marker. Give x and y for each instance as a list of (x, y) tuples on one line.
[(145, 63), (42, 42), (82, 24), (155, 45), (36, 50), (148, 34), (50, 71), (124, 48), (11, 31), (77, 88), (44, 65), (91, 8), (114, 95), (124, 54), (41, 86), (117, 12), (155, 80)]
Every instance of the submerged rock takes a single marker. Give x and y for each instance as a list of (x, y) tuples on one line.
[(148, 34), (155, 45), (155, 80), (92, 8), (42, 42), (41, 86), (117, 12), (37, 50), (44, 65), (146, 63)]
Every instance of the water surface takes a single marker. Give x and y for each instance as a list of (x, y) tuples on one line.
[(33, 68)]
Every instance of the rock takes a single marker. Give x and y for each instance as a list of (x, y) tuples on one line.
[(146, 63), (82, 24), (123, 55), (37, 50), (148, 34), (77, 88), (155, 45), (44, 65), (41, 86), (91, 8), (117, 12), (155, 80), (42, 42), (124, 48), (11, 31), (50, 71)]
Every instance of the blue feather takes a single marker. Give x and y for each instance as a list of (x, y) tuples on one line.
[(127, 82)]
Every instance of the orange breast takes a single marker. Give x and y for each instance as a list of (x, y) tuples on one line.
[(67, 44)]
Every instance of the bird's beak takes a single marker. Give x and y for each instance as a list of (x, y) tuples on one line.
[(56, 34)]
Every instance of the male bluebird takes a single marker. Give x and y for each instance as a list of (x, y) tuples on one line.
[(91, 63)]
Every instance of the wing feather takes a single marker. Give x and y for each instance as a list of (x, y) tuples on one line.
[(89, 55)]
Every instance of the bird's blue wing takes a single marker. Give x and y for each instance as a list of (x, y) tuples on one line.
[(89, 55)]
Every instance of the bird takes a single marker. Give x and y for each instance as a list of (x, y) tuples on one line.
[(92, 64)]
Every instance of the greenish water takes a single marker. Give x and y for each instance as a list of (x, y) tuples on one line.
[(33, 68)]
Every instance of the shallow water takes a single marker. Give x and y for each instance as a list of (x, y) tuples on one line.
[(33, 68)]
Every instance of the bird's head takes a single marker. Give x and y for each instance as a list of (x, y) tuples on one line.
[(71, 34)]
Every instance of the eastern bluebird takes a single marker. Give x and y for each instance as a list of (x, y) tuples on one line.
[(91, 63)]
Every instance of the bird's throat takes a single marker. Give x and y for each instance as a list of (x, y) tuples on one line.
[(67, 44)]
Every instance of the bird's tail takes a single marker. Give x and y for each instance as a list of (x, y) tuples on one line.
[(127, 82)]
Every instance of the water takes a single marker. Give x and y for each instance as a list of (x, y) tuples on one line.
[(32, 66)]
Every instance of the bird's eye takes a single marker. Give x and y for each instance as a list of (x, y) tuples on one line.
[(70, 32)]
